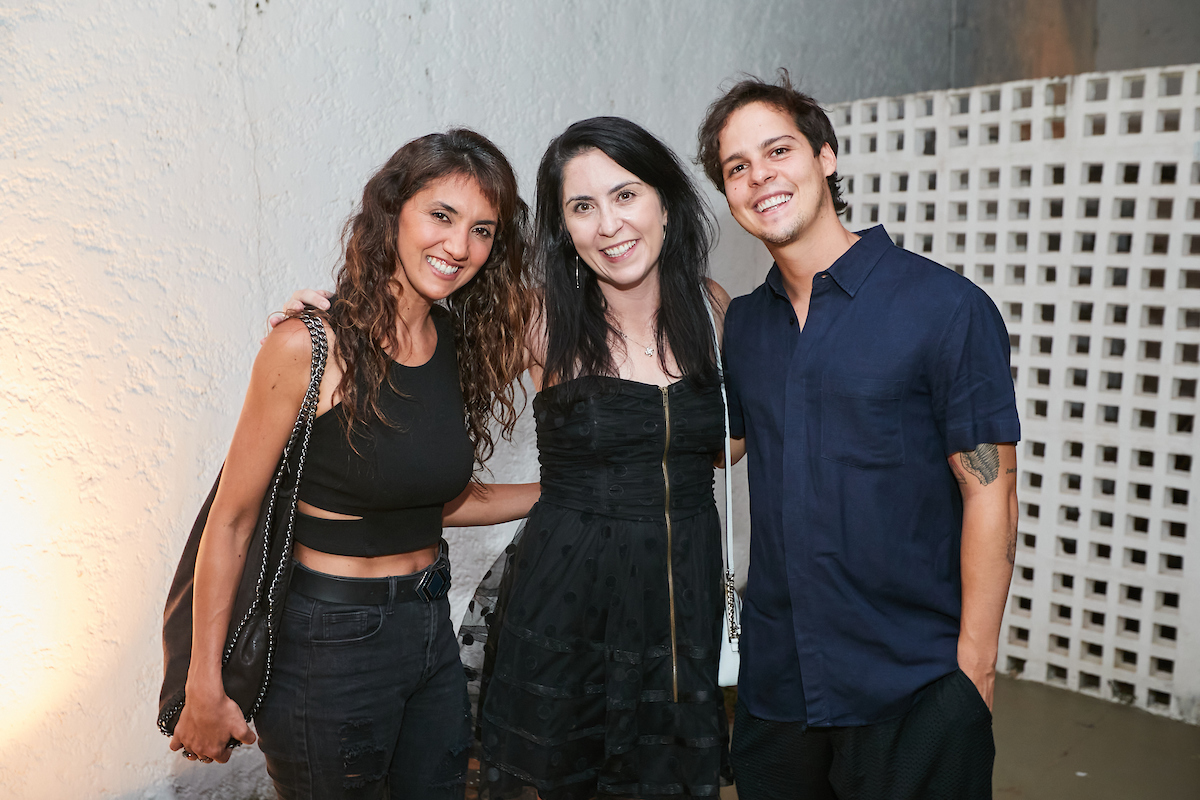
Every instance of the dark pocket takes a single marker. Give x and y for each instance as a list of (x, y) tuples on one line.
[(971, 693), (861, 421), (348, 623)]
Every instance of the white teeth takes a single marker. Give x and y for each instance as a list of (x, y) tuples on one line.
[(771, 202), (442, 266), (620, 249)]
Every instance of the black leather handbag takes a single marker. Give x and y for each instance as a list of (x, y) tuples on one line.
[(246, 659)]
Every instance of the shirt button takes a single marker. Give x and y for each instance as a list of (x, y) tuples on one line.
[(792, 321)]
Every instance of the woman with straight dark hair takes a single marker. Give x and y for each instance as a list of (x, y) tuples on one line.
[(602, 653), (367, 696)]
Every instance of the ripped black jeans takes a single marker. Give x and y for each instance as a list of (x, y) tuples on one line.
[(366, 702)]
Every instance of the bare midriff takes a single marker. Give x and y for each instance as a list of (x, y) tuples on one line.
[(359, 566)]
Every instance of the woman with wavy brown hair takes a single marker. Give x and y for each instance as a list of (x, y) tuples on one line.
[(426, 332)]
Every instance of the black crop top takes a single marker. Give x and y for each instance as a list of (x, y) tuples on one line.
[(401, 476)]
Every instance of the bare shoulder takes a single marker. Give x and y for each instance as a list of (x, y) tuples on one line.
[(286, 356), (720, 303), (535, 334), (291, 339), (718, 294)]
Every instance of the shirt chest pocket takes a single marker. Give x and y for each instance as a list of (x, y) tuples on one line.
[(861, 423)]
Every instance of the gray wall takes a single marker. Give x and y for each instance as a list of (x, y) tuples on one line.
[(1003, 40), (889, 48)]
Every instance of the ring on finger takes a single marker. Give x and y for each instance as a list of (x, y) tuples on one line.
[(282, 316)]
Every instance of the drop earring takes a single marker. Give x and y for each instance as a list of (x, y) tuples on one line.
[(577, 282)]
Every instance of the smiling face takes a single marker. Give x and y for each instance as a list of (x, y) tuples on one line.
[(445, 235), (775, 186), (615, 220)]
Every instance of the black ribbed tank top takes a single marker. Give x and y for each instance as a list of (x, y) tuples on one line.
[(402, 475)]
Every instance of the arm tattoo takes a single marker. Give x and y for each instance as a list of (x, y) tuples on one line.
[(983, 462)]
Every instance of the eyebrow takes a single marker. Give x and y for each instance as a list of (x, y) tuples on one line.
[(613, 190), (763, 146), (447, 207)]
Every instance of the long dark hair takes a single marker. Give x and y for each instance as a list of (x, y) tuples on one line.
[(491, 312), (578, 330)]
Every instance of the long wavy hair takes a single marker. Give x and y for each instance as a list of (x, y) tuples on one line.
[(490, 313), (578, 329)]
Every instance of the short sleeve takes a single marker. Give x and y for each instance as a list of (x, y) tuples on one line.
[(737, 423), (973, 397)]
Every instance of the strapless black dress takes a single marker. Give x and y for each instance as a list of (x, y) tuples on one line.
[(602, 649)]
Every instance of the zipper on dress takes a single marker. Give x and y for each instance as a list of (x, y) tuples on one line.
[(670, 550)]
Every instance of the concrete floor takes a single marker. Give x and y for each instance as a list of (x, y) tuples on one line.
[(1052, 744)]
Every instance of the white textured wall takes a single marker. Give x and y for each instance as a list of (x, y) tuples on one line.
[(168, 173)]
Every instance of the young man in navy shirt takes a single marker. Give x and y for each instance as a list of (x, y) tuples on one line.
[(873, 390)]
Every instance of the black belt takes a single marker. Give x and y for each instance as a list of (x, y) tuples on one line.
[(427, 585)]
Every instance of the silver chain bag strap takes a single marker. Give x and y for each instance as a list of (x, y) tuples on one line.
[(246, 659)]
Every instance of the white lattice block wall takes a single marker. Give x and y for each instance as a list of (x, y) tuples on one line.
[(1075, 203)]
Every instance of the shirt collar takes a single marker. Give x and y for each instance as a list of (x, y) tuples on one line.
[(852, 268)]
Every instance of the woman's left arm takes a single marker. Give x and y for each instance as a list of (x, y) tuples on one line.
[(490, 504)]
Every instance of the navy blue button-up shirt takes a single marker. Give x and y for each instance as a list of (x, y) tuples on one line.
[(853, 596)]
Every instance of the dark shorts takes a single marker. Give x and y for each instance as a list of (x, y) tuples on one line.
[(941, 749)]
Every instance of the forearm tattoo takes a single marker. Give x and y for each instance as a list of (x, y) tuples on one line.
[(983, 462)]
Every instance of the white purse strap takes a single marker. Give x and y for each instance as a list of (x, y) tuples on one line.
[(732, 601)]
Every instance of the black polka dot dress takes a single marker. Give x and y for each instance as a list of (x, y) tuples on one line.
[(601, 677)]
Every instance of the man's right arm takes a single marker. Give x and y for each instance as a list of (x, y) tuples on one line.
[(987, 479)]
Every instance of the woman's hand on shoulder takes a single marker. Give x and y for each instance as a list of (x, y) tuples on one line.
[(317, 298)]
